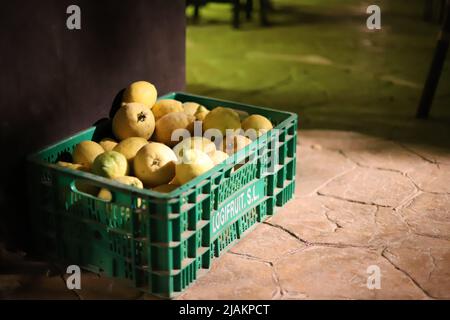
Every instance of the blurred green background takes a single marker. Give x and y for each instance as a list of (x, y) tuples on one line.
[(319, 60)]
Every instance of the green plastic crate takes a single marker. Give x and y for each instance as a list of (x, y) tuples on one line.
[(159, 242)]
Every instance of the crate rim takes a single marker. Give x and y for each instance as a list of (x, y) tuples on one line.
[(114, 185)]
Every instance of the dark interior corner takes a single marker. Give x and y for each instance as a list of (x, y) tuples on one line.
[(55, 81)]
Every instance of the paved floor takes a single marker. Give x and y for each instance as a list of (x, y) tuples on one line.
[(361, 202), (373, 182)]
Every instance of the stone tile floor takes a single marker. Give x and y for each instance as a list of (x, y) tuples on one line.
[(360, 202), (367, 194)]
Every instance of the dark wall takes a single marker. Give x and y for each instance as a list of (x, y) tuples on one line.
[(55, 82)]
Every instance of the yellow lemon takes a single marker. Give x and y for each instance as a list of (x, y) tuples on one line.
[(130, 147), (73, 166), (105, 194), (133, 120), (130, 181), (110, 164), (222, 119), (108, 144), (154, 164), (166, 106), (258, 123), (85, 153), (141, 92), (194, 163), (166, 125), (190, 108)]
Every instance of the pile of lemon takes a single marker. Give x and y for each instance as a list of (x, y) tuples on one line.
[(143, 153)]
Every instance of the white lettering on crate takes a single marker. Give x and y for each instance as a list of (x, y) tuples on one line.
[(235, 207)]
